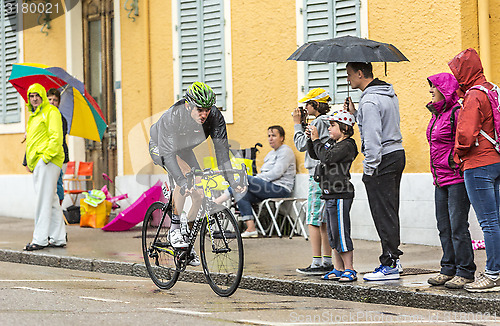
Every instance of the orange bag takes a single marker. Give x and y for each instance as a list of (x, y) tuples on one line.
[(94, 217)]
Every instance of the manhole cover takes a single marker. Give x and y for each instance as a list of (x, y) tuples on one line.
[(414, 271), (417, 271)]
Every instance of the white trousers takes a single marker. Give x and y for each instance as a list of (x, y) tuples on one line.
[(49, 222)]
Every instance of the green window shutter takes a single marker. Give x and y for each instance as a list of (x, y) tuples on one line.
[(10, 111), (325, 19), (189, 43), (201, 38), (346, 13), (213, 49), (318, 26)]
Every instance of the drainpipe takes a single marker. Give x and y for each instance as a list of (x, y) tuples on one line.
[(483, 19), (148, 71)]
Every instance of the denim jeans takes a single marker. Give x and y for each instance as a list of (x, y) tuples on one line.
[(382, 189), (482, 187), (452, 213), (257, 190), (60, 187)]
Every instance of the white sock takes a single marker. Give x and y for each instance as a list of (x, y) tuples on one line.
[(316, 261)]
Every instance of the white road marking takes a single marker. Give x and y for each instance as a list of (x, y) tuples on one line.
[(384, 322), (104, 300), (76, 280), (31, 289), (185, 312)]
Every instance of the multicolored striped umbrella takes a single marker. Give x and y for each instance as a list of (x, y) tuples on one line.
[(81, 111)]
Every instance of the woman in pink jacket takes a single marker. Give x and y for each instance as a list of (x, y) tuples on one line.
[(450, 196)]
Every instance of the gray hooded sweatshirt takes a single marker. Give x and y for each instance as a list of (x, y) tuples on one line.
[(379, 124)]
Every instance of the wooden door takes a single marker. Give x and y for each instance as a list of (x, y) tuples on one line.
[(99, 80)]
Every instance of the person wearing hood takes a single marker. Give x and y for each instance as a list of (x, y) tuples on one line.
[(45, 156), (382, 145), (450, 196), (480, 162)]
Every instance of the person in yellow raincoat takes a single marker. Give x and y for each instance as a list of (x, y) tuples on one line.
[(44, 157)]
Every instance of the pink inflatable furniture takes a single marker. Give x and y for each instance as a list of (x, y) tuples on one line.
[(135, 213)]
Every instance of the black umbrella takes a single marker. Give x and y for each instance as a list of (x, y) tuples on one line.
[(348, 49)]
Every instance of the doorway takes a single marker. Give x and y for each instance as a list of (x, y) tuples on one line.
[(98, 44)]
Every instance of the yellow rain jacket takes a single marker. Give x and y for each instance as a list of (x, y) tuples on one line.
[(44, 135)]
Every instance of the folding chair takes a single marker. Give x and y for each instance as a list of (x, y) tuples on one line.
[(70, 170), (273, 213), (79, 181), (299, 217)]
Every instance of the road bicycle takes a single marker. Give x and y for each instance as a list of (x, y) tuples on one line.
[(221, 246)]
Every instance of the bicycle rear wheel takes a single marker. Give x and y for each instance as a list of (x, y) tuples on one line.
[(159, 255), (222, 253)]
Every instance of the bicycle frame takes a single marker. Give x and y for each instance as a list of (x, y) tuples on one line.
[(206, 207)]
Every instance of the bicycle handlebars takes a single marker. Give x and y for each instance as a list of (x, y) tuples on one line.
[(190, 176)]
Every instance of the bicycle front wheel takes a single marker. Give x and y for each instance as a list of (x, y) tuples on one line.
[(221, 250), (159, 255)]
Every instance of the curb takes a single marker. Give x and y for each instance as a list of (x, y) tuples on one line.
[(399, 296)]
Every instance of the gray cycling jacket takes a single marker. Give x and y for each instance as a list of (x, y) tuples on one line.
[(177, 133)]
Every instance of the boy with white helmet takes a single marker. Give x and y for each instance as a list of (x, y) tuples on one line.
[(336, 156)]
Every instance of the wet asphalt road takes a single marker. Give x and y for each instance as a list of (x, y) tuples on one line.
[(36, 295)]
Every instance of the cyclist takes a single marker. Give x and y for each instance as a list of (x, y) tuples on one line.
[(185, 125)]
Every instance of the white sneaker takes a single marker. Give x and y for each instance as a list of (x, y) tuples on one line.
[(194, 260), (176, 238), (382, 273), (252, 234), (399, 266)]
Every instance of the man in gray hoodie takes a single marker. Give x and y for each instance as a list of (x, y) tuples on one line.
[(381, 144)]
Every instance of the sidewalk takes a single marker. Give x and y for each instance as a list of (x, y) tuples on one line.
[(270, 265)]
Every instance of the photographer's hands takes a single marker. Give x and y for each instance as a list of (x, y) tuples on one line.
[(296, 116), (312, 132)]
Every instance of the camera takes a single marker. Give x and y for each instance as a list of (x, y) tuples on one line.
[(303, 116)]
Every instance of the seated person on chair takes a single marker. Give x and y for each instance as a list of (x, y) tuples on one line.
[(275, 180), (185, 125)]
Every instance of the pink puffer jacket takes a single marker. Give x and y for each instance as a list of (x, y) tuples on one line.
[(441, 132)]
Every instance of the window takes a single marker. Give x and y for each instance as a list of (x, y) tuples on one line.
[(325, 19), (10, 111), (201, 32)]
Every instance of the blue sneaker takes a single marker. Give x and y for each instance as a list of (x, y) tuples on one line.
[(382, 273)]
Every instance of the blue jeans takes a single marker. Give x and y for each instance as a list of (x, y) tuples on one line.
[(482, 187), (257, 190), (60, 189), (452, 213)]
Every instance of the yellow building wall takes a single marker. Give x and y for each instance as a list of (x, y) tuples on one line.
[(494, 40), (264, 83), (147, 73), (39, 48), (429, 34)]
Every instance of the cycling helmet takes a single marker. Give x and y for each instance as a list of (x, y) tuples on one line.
[(342, 116), (201, 95)]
